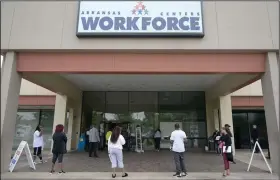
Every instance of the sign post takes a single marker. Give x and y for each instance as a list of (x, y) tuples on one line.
[(257, 144), (22, 145)]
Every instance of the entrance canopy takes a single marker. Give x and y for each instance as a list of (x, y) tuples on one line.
[(143, 82), (72, 73)]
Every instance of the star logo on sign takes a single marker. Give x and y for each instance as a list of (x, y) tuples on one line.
[(140, 3), (143, 7), (140, 9), (146, 12)]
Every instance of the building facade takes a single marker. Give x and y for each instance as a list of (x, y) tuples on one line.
[(37, 105), (183, 68)]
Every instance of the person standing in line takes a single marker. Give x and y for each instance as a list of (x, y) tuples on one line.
[(216, 137), (86, 140), (108, 134), (157, 138), (255, 137), (38, 143), (115, 147), (227, 129), (102, 136), (59, 147), (177, 139), (93, 141), (227, 156)]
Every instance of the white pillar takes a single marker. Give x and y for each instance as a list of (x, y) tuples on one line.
[(59, 111), (209, 119), (70, 128), (216, 119), (270, 87), (10, 88), (226, 115), (77, 125), (211, 106)]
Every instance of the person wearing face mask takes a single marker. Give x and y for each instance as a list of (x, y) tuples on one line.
[(59, 147), (228, 131), (226, 151)]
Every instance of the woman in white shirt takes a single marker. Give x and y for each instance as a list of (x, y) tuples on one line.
[(38, 143), (115, 146)]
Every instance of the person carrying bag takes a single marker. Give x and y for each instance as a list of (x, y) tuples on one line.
[(227, 151)]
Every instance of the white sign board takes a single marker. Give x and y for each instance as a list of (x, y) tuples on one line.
[(253, 152), (140, 18), (22, 145)]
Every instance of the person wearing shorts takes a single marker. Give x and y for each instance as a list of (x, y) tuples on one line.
[(59, 147), (38, 143)]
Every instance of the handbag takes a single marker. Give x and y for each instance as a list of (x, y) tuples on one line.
[(229, 157), (228, 149)]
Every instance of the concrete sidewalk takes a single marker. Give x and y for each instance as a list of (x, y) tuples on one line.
[(132, 176), (258, 161)]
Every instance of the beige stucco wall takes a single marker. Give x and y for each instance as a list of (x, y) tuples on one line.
[(229, 25), (29, 88), (254, 89)]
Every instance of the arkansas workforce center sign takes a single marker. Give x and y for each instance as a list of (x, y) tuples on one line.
[(140, 18)]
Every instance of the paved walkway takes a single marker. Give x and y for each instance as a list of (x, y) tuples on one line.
[(22, 162), (149, 161), (133, 176), (258, 161)]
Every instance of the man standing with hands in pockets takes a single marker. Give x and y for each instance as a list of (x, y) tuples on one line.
[(178, 138)]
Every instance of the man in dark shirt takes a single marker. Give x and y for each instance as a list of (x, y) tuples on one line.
[(227, 127), (255, 137)]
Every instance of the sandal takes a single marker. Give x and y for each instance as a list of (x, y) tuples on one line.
[(125, 175), (60, 172)]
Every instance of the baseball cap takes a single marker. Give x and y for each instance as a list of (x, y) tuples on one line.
[(227, 125)]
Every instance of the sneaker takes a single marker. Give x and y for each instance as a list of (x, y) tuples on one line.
[(35, 162), (184, 174), (179, 175), (176, 174), (52, 171)]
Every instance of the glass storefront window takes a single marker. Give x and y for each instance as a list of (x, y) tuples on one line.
[(243, 121), (26, 123), (46, 119), (149, 110)]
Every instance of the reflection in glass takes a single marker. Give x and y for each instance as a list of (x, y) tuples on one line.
[(46, 119), (243, 121), (26, 123), (149, 110)]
